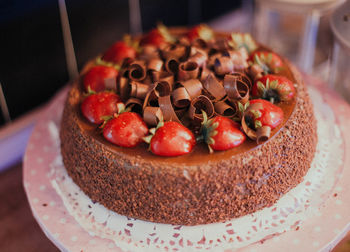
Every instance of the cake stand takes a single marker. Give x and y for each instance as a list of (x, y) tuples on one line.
[(317, 230)]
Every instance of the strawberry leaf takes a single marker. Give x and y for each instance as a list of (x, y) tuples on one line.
[(257, 124)]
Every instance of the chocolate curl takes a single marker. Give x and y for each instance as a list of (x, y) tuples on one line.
[(167, 109), (213, 86), (181, 98), (123, 88), (137, 70), (223, 65), (243, 78), (221, 44), (152, 115), (155, 64), (111, 83), (199, 58), (212, 58), (135, 104), (223, 109), (255, 72), (172, 65), (175, 52), (188, 70), (162, 88), (236, 89), (151, 99), (204, 74), (139, 90), (193, 87), (163, 76), (197, 105), (262, 134)]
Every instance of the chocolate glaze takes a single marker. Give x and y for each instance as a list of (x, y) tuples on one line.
[(196, 188)]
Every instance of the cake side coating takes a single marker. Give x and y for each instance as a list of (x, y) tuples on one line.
[(169, 191)]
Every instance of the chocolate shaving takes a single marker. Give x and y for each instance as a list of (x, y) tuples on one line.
[(152, 115), (149, 51), (135, 105), (221, 44), (197, 105), (193, 87), (244, 78), (262, 134), (163, 76), (255, 72), (123, 88), (175, 52), (162, 88), (199, 58), (151, 99), (236, 89), (155, 64), (223, 65), (137, 70), (167, 109), (139, 90), (213, 86), (223, 109), (188, 70), (181, 98), (204, 74), (172, 65), (201, 43)]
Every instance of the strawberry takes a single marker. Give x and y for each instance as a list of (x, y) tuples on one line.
[(221, 133), (274, 88), (119, 51), (238, 40), (201, 31), (99, 105), (157, 37), (94, 79), (171, 139), (126, 129), (263, 113), (270, 62)]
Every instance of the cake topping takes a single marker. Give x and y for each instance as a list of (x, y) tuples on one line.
[(171, 139), (274, 88), (99, 105), (99, 78), (125, 129), (259, 118), (120, 51), (220, 133), (176, 78)]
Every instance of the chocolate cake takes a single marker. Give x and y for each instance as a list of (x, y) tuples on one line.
[(198, 186)]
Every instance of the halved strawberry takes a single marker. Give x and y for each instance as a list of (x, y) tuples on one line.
[(264, 113), (95, 78), (201, 31), (97, 106), (221, 133), (270, 62), (274, 88), (157, 37), (126, 129), (120, 50), (171, 139)]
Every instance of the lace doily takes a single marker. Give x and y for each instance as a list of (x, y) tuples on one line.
[(288, 213)]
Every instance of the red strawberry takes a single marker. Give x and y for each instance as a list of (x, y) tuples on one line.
[(171, 139), (157, 37), (126, 129), (201, 31), (274, 88), (94, 79), (118, 52), (97, 106), (221, 133), (270, 62), (263, 113)]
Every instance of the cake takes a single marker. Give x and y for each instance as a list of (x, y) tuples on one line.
[(198, 177)]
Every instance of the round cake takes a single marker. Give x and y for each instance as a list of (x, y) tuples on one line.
[(247, 135)]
